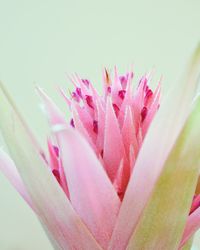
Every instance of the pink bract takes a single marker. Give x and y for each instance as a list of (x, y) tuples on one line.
[(114, 124)]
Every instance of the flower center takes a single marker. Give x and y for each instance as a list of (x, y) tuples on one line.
[(134, 111), (114, 123)]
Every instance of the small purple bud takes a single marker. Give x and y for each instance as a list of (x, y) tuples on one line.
[(116, 109), (78, 91), (143, 113), (95, 126), (122, 93), (86, 82), (109, 89), (56, 174), (72, 123), (89, 101), (123, 80), (75, 96), (56, 150)]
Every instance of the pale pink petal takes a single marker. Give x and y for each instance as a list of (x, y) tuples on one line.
[(91, 192), (121, 180), (80, 127), (116, 87), (63, 180), (94, 92), (128, 132), (84, 89), (8, 168), (85, 119), (151, 110), (126, 102), (116, 83), (162, 135), (63, 226), (56, 119), (53, 161), (118, 179), (55, 116), (113, 145), (62, 92), (56, 166), (132, 157), (101, 126), (138, 100)]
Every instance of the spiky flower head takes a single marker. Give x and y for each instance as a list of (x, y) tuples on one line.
[(114, 123), (121, 174)]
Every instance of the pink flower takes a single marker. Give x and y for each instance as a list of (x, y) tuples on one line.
[(114, 124), (113, 177)]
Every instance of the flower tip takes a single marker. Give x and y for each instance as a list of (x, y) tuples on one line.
[(107, 77), (43, 96), (62, 93), (40, 92)]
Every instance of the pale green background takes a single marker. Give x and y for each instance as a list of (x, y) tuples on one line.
[(43, 40)]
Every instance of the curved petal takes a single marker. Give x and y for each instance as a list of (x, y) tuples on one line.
[(81, 128), (101, 125), (128, 131), (91, 192), (55, 116), (63, 225), (192, 225), (113, 145), (162, 222), (159, 141), (152, 110), (8, 168), (62, 92)]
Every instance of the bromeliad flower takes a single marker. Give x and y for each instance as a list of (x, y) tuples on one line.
[(114, 177)]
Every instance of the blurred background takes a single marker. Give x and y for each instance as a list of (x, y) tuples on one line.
[(41, 42)]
